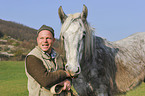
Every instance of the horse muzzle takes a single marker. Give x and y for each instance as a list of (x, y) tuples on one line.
[(74, 72)]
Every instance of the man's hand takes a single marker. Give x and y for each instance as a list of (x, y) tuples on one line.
[(66, 84)]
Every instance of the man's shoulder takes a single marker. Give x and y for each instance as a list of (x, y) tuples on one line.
[(32, 58), (35, 51)]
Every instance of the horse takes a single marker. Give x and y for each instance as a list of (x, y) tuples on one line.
[(100, 67)]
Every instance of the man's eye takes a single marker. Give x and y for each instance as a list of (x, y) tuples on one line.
[(48, 38)]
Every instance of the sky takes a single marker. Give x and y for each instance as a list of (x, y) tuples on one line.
[(112, 19)]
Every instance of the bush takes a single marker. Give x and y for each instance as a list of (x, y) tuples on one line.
[(18, 53), (1, 34)]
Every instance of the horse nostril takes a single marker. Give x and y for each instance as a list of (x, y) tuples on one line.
[(66, 67), (78, 71)]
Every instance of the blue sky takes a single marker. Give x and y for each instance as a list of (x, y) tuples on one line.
[(112, 19)]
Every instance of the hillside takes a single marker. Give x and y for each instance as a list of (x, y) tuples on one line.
[(16, 40), (17, 31), (12, 49)]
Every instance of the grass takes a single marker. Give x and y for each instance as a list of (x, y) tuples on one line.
[(139, 91), (13, 81)]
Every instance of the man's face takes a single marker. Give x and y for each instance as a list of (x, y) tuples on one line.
[(45, 40)]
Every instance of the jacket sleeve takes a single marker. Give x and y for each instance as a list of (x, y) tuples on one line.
[(38, 71)]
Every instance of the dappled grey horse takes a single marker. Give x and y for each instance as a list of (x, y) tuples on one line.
[(101, 68)]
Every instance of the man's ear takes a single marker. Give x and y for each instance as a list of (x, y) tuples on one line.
[(53, 39), (37, 39)]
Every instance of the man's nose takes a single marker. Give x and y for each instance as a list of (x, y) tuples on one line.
[(45, 40)]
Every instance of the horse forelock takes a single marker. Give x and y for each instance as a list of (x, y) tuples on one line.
[(76, 15), (88, 47)]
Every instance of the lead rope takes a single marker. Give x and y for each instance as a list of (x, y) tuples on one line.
[(40, 91)]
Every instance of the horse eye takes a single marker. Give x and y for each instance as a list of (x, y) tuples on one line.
[(62, 37), (84, 34)]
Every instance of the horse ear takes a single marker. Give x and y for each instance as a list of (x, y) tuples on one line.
[(62, 15), (84, 13)]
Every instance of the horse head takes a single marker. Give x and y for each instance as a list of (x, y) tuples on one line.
[(74, 33)]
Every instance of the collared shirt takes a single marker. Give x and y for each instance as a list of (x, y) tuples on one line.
[(52, 55)]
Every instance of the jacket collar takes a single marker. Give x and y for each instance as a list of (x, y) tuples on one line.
[(46, 55)]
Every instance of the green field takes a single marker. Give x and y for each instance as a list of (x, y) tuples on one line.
[(13, 81)]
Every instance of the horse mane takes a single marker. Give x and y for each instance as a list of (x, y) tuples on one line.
[(89, 44), (88, 37)]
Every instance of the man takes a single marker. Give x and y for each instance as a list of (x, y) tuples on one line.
[(44, 67)]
